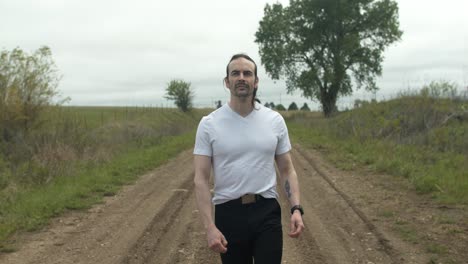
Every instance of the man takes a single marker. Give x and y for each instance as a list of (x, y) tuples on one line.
[(241, 142)]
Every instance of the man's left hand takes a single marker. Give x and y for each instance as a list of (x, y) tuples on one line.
[(297, 226)]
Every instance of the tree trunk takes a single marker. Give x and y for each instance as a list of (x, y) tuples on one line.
[(328, 102)]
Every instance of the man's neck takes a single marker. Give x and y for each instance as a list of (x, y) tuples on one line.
[(242, 106)]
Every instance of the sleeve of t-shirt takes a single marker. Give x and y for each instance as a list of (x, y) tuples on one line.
[(202, 139), (284, 145)]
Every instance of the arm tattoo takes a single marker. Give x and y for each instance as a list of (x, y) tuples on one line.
[(287, 188)]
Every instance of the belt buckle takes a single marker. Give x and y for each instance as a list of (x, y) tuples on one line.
[(248, 198)]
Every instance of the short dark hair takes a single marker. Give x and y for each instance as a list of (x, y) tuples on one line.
[(247, 57)]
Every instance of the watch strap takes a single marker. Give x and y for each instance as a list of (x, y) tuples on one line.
[(297, 207)]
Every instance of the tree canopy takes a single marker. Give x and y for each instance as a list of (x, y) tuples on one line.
[(322, 46), (305, 107), (180, 92), (280, 107)]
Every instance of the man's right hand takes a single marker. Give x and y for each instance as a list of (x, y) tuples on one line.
[(216, 240)]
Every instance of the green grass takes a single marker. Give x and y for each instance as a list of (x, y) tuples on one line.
[(32, 208), (436, 249), (386, 213), (406, 232), (69, 137), (371, 137), (74, 156), (421, 140)]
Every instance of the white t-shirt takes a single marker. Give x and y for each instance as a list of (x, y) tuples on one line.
[(242, 150)]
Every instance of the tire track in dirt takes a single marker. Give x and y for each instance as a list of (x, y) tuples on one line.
[(174, 235), (107, 232), (157, 236), (342, 235), (304, 249), (384, 242)]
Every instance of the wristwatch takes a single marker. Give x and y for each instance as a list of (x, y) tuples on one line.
[(297, 207)]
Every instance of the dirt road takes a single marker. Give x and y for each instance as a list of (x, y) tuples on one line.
[(156, 221)]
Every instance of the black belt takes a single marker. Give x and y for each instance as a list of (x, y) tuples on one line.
[(248, 198)]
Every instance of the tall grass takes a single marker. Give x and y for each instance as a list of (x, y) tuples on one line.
[(77, 155), (421, 138), (70, 137)]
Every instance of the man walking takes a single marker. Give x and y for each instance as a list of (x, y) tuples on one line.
[(241, 141)]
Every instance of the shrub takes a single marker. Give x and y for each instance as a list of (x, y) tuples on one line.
[(440, 89), (28, 83), (181, 93)]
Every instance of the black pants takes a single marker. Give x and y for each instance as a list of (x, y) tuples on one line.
[(253, 231)]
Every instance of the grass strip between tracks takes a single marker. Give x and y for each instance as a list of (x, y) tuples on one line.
[(32, 208)]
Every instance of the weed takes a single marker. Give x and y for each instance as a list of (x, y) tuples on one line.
[(444, 219), (386, 213), (436, 249), (407, 233), (4, 248)]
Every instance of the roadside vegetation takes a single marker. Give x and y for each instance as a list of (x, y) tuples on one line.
[(81, 154), (55, 158), (421, 136)]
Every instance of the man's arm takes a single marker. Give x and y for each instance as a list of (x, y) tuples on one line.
[(290, 185), (216, 240)]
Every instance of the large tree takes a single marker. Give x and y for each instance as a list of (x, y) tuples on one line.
[(322, 46), (181, 93)]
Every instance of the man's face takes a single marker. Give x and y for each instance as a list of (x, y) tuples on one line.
[(241, 79)]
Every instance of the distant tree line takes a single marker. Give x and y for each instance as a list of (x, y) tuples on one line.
[(291, 107)]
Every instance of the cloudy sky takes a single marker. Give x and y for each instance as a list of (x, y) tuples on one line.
[(122, 52)]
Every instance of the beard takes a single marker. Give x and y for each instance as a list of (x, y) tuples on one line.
[(242, 90)]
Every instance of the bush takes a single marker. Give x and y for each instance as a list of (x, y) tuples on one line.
[(440, 89), (418, 120), (28, 83)]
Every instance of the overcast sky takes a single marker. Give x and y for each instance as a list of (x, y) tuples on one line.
[(122, 52)]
